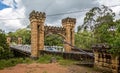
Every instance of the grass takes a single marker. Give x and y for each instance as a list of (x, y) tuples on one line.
[(67, 62), (13, 62), (46, 59), (43, 59)]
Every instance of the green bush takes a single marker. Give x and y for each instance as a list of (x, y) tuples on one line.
[(47, 58), (27, 60), (7, 63), (67, 62), (13, 61), (44, 59), (59, 59), (5, 52)]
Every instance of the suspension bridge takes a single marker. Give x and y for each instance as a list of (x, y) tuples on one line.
[(38, 33), (26, 50)]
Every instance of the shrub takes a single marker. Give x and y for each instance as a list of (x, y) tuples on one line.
[(44, 59), (13, 61)]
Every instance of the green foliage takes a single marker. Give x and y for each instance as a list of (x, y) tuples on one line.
[(110, 34), (53, 40), (67, 62), (101, 21), (46, 59), (115, 39), (84, 39), (102, 33), (13, 61), (5, 52), (26, 60), (23, 33), (97, 16)]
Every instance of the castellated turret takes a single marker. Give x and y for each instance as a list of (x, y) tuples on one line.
[(37, 20), (69, 22), (40, 16)]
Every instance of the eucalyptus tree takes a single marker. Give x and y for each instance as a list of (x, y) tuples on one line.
[(97, 16)]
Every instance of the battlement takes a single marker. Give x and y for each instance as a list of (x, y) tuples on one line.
[(54, 28), (69, 20), (37, 15)]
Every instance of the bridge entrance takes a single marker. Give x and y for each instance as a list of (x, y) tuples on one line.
[(39, 31), (54, 42)]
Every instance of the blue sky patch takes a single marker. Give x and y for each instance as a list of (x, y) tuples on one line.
[(3, 6)]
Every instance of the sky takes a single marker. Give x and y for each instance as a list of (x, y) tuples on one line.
[(14, 14)]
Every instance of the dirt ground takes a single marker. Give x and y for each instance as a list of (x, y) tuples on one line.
[(47, 68)]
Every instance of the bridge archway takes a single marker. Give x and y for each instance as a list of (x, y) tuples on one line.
[(54, 42), (38, 32)]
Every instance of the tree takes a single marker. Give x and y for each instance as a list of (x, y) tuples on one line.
[(53, 39), (5, 52), (79, 28), (115, 40), (97, 16), (110, 34), (84, 39), (23, 33), (105, 29)]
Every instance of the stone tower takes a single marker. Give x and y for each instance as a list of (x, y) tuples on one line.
[(37, 20), (69, 24), (8, 40), (19, 40)]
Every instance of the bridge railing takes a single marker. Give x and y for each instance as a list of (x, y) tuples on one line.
[(24, 48)]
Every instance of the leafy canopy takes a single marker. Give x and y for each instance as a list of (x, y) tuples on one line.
[(5, 52)]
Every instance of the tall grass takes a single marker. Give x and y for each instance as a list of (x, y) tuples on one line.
[(13, 61), (46, 59), (42, 59)]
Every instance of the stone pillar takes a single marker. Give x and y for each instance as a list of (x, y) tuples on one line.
[(73, 36), (96, 58), (67, 47), (37, 20), (68, 24), (19, 40), (104, 60), (115, 64), (34, 35), (100, 60), (41, 17), (8, 40)]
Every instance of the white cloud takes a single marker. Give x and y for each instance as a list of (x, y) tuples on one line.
[(9, 16), (24, 7), (109, 2), (113, 4)]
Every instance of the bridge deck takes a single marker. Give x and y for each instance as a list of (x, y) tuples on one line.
[(23, 48), (27, 49)]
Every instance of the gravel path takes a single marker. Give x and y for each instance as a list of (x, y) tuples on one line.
[(46, 68)]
